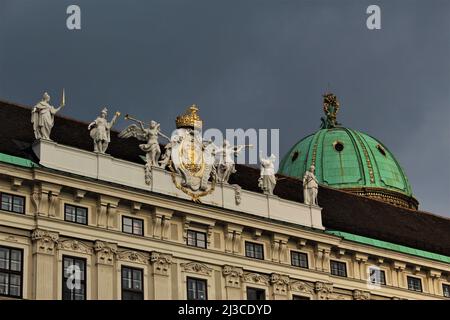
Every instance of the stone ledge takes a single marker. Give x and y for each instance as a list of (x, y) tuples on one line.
[(107, 168)]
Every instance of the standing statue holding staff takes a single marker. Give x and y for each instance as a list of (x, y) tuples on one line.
[(267, 179), (100, 130), (226, 165), (310, 187), (43, 117)]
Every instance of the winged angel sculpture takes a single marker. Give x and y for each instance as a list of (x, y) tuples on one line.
[(151, 148)]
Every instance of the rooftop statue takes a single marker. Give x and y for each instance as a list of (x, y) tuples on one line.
[(151, 147), (330, 108), (100, 130), (267, 179), (42, 117), (226, 165), (310, 187)]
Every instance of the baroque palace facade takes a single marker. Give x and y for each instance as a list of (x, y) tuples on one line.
[(132, 229)]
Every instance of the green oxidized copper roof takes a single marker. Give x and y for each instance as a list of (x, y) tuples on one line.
[(390, 246), (363, 161), (350, 160)]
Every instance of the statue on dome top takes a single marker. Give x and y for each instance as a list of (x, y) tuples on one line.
[(330, 108)]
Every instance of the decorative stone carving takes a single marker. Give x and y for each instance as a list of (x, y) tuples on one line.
[(161, 263), (78, 195), (361, 295), (226, 165), (232, 238), (323, 290), (257, 278), (16, 183), (267, 179), (75, 245), (237, 194), (279, 247), (44, 241), (196, 267), (42, 117), (280, 283), (192, 158), (107, 212), (100, 130), (52, 199), (105, 252), (233, 276), (310, 187), (36, 197), (132, 256), (301, 286)]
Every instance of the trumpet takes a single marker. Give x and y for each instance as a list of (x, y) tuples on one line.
[(128, 117)]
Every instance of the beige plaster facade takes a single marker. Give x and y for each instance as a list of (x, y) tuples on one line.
[(165, 258)]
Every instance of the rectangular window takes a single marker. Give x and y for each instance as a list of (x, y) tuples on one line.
[(377, 276), (196, 289), (299, 259), (75, 214), (338, 268), (74, 278), (256, 294), (132, 284), (414, 284), (446, 290), (13, 203), (196, 239), (295, 297), (254, 250), (11, 272), (133, 226)]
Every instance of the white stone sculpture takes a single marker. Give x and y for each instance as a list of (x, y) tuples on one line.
[(267, 179), (226, 165), (43, 117), (151, 148), (100, 130), (310, 187)]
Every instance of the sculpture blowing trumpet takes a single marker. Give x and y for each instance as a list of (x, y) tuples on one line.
[(128, 117)]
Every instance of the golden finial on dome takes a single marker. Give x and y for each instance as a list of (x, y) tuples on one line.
[(190, 119)]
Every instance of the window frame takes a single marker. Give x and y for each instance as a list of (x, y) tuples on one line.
[(205, 281), (122, 267), (9, 272), (12, 195), (257, 290), (64, 280), (414, 278), (383, 283), (132, 225), (446, 285), (300, 297), (196, 238), (254, 244), (300, 253), (76, 214), (338, 263)]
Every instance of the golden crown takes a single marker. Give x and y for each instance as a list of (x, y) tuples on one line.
[(190, 119)]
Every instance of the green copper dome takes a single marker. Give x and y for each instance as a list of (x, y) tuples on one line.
[(350, 160)]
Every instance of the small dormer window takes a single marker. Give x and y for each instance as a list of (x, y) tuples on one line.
[(295, 156), (381, 149), (338, 146)]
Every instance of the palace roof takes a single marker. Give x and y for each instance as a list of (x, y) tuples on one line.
[(342, 211)]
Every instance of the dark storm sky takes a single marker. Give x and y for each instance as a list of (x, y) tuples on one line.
[(247, 64)]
